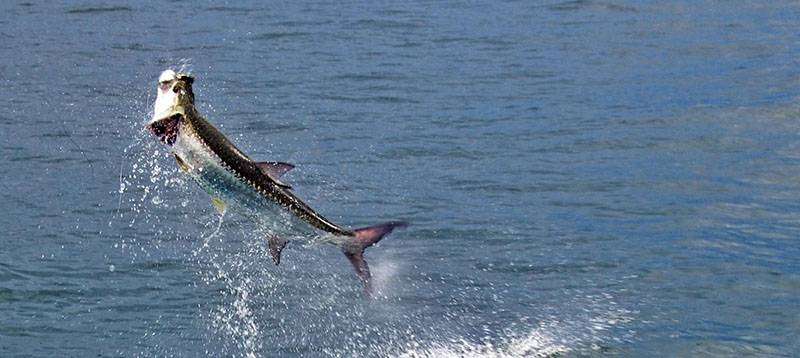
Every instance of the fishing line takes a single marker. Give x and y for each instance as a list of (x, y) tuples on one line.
[(208, 238)]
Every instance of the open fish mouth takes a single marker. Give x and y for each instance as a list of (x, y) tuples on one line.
[(166, 129)]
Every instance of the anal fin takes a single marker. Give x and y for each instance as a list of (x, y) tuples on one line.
[(276, 246)]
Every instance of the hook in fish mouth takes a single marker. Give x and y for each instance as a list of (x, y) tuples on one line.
[(166, 129)]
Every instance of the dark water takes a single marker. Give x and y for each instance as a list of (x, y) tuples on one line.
[(583, 178)]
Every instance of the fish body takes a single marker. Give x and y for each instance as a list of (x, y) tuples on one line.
[(226, 174), (253, 189)]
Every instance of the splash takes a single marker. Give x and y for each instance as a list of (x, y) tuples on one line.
[(158, 220), (553, 336), (185, 65), (540, 342)]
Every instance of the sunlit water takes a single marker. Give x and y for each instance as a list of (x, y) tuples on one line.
[(582, 178)]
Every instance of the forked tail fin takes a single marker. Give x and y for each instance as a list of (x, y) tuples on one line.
[(364, 238)]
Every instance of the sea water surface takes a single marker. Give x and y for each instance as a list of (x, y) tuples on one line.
[(582, 178)]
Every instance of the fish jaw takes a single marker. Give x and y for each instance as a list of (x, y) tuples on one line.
[(166, 129)]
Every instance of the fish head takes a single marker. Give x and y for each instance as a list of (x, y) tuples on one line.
[(174, 92), (174, 98)]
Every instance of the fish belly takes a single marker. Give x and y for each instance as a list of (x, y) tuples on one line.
[(210, 173)]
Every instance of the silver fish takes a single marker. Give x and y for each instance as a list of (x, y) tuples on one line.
[(253, 189)]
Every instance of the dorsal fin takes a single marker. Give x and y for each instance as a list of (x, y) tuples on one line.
[(275, 170)]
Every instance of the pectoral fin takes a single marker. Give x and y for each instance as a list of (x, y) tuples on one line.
[(275, 170), (219, 205), (181, 163)]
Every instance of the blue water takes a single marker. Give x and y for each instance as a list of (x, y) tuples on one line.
[(582, 178)]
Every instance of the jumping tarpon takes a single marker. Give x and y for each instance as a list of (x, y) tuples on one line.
[(254, 189)]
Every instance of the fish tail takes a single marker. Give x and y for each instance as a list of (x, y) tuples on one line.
[(364, 238)]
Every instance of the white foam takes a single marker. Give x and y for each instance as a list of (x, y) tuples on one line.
[(540, 342), (552, 337)]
